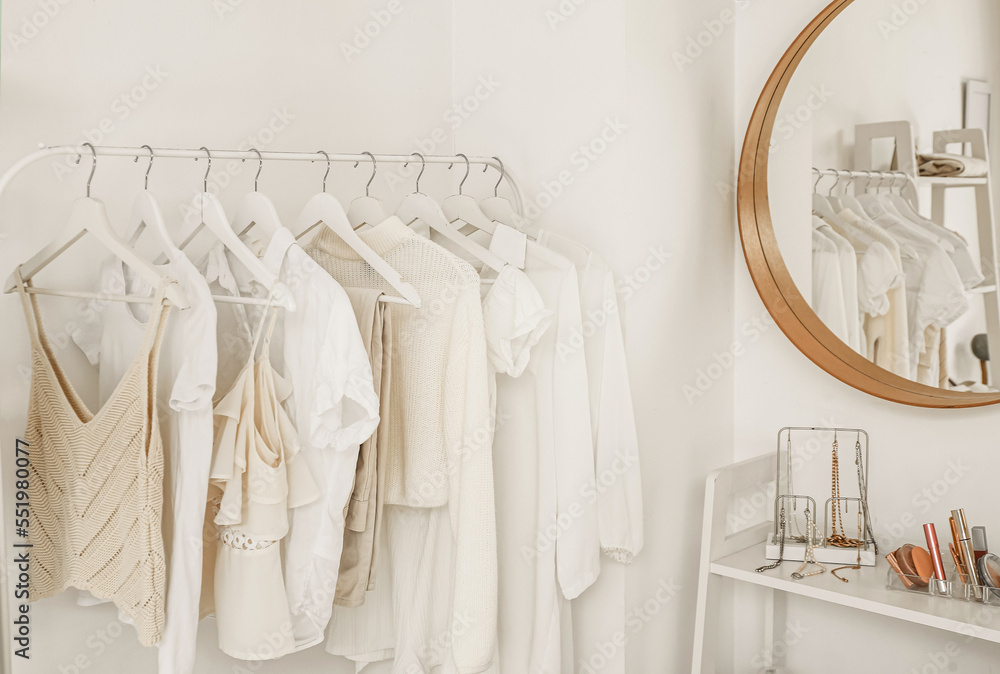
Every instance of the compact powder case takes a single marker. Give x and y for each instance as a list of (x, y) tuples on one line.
[(914, 565), (989, 571), (922, 563)]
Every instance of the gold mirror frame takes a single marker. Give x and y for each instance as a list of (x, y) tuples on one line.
[(774, 284)]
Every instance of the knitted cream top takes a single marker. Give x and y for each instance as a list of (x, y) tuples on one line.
[(96, 487), (439, 426)]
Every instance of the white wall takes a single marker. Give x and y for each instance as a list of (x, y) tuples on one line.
[(228, 70), (912, 449)]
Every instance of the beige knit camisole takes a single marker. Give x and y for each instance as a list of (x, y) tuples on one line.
[(96, 489)]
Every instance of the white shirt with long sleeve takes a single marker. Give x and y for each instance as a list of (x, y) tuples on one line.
[(616, 450)]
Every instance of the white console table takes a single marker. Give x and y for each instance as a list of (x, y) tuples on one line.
[(735, 555)]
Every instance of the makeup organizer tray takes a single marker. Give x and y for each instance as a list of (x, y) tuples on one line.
[(794, 545), (953, 588)]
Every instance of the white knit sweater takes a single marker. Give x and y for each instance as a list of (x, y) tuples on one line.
[(440, 449)]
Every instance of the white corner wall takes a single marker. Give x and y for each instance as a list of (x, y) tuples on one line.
[(647, 85), (923, 462)]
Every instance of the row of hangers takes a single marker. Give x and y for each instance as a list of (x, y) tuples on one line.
[(828, 207), (456, 214)]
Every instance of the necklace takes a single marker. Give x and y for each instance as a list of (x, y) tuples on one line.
[(857, 564), (837, 538), (781, 543), (810, 558), (863, 494)]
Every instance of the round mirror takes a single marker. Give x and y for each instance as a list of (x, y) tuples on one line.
[(865, 198)]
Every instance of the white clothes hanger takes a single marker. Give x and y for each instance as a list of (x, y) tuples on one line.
[(366, 210), (213, 216), (463, 207), (257, 209), (420, 207), (324, 209), (90, 216), (500, 209), (146, 213), (822, 207)]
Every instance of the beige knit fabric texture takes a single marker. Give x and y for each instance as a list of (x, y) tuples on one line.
[(439, 446), (96, 489)]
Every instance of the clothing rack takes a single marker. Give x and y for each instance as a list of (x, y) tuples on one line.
[(869, 176), (7, 569), (265, 155)]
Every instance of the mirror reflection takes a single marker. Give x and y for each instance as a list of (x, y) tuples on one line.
[(881, 191)]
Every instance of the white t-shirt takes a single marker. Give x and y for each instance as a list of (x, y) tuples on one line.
[(886, 336), (548, 537), (828, 287), (110, 337), (318, 348), (935, 292), (956, 246), (848, 278), (877, 274)]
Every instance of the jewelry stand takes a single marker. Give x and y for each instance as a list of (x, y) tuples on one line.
[(782, 545)]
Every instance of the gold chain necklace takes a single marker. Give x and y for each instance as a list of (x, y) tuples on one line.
[(837, 537)]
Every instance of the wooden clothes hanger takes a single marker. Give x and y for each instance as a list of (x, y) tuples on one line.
[(89, 215), (324, 209), (213, 217), (420, 207), (366, 210)]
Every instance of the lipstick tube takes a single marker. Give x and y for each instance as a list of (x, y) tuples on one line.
[(968, 554), (934, 548)]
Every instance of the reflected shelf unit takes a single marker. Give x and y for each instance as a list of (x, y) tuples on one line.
[(733, 556), (905, 160)]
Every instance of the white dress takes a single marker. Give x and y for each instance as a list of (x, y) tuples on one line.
[(548, 534)]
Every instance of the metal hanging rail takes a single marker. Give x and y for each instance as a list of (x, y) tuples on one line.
[(319, 156), (870, 176)]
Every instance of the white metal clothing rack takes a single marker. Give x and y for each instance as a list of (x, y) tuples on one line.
[(866, 180), (267, 155), (7, 569)]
